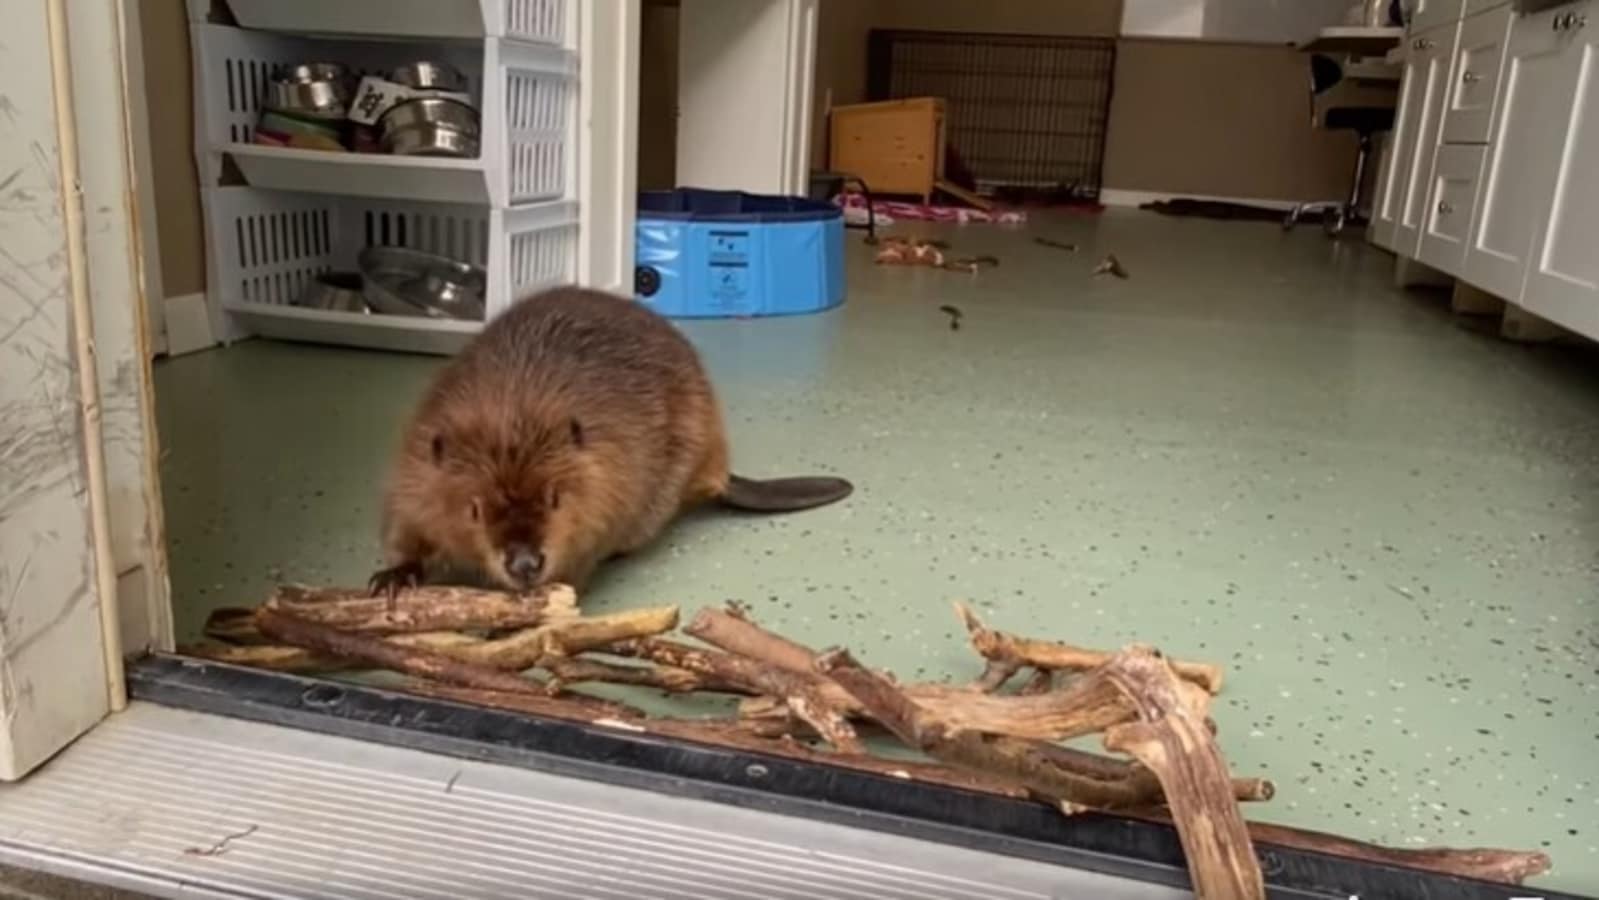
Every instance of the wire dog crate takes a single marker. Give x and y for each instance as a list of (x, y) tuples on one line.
[(1021, 111)]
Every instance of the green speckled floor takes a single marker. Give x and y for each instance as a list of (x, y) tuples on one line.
[(1253, 451)]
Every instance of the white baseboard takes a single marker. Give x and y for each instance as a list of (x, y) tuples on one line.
[(188, 324), (1120, 197)]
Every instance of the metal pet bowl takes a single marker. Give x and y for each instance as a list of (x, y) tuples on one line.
[(312, 90), (431, 126), (335, 291), (429, 76), (405, 282)]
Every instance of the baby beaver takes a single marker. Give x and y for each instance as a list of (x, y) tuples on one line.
[(573, 428)]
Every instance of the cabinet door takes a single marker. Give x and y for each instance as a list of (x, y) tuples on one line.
[(1448, 216), (1398, 148), (1473, 86), (1431, 55), (1563, 275), (1381, 231), (1517, 181)]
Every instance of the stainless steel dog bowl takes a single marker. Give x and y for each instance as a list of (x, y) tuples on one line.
[(336, 291), (431, 126), (405, 282), (312, 90), (429, 76)]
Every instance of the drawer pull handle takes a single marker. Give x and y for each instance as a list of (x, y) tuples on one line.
[(1470, 77), (1579, 21), (1445, 208)]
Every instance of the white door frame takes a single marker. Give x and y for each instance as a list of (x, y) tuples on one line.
[(79, 501), (746, 70), (607, 158)]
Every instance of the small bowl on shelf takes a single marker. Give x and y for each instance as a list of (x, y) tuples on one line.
[(318, 91), (424, 75), (431, 126), (336, 292), (404, 282)]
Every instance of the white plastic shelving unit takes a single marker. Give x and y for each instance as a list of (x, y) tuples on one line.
[(299, 213)]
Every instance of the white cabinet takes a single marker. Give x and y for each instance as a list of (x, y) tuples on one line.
[(1427, 71), (1517, 178), (1563, 272), (1493, 173), (1479, 53), (1398, 155), (1447, 220)]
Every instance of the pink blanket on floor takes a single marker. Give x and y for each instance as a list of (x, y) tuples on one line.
[(922, 212)]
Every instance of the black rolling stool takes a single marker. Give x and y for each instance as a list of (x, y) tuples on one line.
[(1365, 121)]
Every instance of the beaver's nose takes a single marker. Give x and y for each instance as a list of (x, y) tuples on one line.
[(524, 564)]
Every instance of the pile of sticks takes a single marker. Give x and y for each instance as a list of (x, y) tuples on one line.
[(1000, 734)]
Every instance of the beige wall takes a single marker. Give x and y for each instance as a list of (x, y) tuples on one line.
[(167, 86), (1227, 120), (841, 28), (1080, 17)]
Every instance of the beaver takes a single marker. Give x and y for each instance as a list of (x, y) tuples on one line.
[(573, 428)]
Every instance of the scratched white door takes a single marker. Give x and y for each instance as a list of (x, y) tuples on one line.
[(54, 681)]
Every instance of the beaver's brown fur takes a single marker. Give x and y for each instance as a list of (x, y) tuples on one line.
[(573, 428)]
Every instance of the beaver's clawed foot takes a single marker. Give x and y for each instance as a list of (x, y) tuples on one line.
[(391, 581)]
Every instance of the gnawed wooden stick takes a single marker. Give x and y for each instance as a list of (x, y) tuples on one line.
[(281, 658), (568, 637), (1078, 708), (550, 646), (736, 634), (1485, 864), (803, 695), (1009, 653), (1072, 780), (424, 608), (1081, 708), (377, 653), (233, 625), (1175, 743)]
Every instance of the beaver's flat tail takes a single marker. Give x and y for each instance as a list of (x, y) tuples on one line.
[(783, 494)]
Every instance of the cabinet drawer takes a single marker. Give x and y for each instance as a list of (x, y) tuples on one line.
[(1451, 202), (1479, 58)]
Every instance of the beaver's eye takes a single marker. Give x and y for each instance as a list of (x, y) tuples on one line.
[(555, 498), (477, 510)]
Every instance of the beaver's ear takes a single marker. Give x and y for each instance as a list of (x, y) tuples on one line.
[(577, 432), (438, 448)]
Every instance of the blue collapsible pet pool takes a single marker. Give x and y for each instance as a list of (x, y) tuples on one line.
[(704, 254)]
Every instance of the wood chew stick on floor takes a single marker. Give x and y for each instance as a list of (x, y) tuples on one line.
[(425, 608), (1174, 741), (285, 658), (527, 648), (1008, 653), (1082, 707), (377, 653), (805, 695), (1498, 866), (548, 646)]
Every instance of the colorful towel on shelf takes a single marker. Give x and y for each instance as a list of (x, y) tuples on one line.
[(889, 210)]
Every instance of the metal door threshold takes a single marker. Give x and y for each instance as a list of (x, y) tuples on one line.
[(176, 803)]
